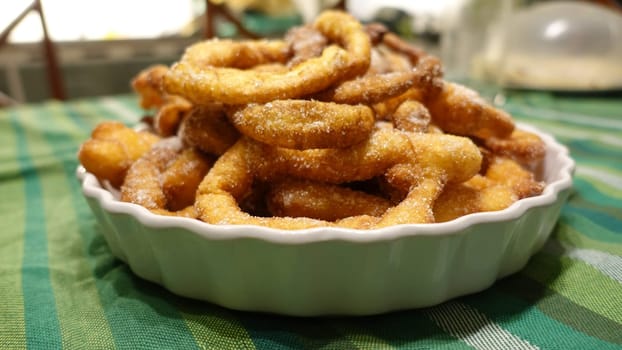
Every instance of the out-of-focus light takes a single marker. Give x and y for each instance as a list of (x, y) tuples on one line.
[(555, 29), (69, 20)]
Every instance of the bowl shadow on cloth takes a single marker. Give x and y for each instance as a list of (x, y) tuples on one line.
[(507, 299)]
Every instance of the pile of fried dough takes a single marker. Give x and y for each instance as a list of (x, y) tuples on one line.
[(336, 124)]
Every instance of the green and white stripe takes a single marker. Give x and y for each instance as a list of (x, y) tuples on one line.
[(61, 288), (475, 328)]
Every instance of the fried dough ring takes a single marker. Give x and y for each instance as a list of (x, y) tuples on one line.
[(503, 183), (303, 124), (461, 111), (318, 200), (164, 179), (369, 89), (236, 54), (398, 44), (205, 83), (346, 30), (383, 60), (111, 150), (508, 172), (169, 115), (148, 85), (170, 108), (305, 42), (385, 109), (395, 54), (376, 32), (436, 160), (479, 194), (208, 129), (525, 147), (438, 152), (362, 161), (408, 110), (377, 86), (182, 176), (411, 115)]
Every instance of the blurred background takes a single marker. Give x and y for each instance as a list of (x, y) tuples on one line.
[(94, 48)]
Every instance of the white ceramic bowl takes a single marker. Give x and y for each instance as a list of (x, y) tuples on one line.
[(333, 271)]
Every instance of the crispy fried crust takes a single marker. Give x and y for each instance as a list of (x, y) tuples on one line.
[(165, 179), (336, 124)]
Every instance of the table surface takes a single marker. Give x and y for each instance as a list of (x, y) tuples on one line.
[(60, 287)]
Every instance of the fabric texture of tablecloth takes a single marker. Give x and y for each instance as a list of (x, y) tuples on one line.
[(60, 287)]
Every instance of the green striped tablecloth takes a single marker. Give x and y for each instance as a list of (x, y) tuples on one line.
[(60, 287)]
